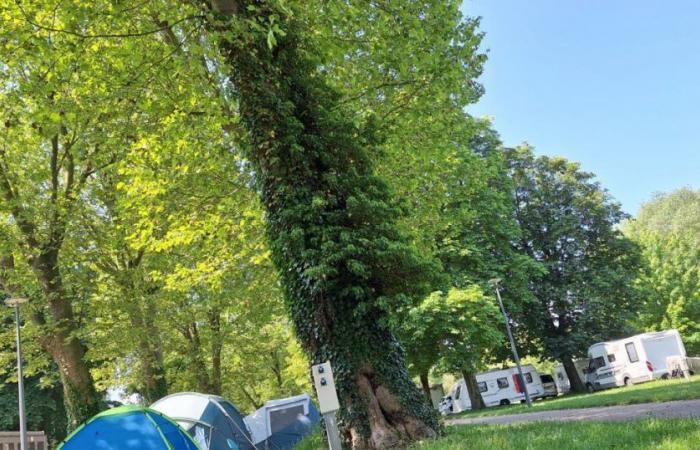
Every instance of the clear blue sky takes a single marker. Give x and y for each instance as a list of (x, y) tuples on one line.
[(614, 85)]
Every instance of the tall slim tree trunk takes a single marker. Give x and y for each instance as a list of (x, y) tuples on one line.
[(474, 395), (425, 384), (153, 384), (198, 363), (216, 347), (577, 384), (330, 223), (60, 341)]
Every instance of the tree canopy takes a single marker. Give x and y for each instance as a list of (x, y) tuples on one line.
[(569, 224), (667, 230)]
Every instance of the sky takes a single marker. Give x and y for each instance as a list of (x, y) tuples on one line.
[(611, 84)]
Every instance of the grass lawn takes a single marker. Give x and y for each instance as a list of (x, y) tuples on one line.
[(641, 434), (664, 434), (654, 391)]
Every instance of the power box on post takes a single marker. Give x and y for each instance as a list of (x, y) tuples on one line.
[(325, 387)]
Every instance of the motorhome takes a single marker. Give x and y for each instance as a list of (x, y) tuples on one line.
[(497, 387), (549, 386), (632, 360)]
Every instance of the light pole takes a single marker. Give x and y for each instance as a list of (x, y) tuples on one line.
[(494, 283), (14, 303)]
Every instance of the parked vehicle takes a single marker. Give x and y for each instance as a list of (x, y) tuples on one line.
[(549, 386), (632, 360), (694, 365), (497, 387), (562, 379)]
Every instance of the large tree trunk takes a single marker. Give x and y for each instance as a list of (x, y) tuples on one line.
[(425, 384), (60, 341), (577, 384), (473, 388), (330, 226)]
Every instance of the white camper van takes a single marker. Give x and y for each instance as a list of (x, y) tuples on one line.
[(497, 387), (632, 360)]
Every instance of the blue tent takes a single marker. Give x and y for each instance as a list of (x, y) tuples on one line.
[(129, 428), (281, 424), (212, 421)]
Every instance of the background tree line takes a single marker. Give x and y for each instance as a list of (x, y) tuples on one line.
[(171, 236)]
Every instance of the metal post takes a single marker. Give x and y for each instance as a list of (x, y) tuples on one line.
[(332, 431), (512, 343), (15, 302), (20, 388)]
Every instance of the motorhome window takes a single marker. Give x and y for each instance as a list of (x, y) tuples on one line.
[(459, 390), (528, 377), (597, 363), (631, 352), (482, 386), (547, 378), (502, 383), (611, 357), (560, 376)]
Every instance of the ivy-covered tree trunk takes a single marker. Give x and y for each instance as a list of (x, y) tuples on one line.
[(574, 379), (473, 388), (330, 224)]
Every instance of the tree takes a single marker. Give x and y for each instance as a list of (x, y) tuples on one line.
[(569, 225), (458, 329), (44, 406), (80, 95), (331, 229), (675, 212), (667, 229)]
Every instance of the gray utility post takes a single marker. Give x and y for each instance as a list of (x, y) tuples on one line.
[(327, 401), (14, 303), (495, 282)]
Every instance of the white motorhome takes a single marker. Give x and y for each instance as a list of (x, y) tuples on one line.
[(497, 387), (632, 360)]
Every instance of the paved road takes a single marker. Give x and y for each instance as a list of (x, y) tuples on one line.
[(667, 410)]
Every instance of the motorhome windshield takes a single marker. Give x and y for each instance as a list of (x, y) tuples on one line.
[(596, 363)]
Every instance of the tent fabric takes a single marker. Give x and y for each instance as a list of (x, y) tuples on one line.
[(282, 423), (212, 421), (129, 428)]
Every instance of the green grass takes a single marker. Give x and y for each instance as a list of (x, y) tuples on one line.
[(642, 434), (655, 391), (314, 441), (663, 434)]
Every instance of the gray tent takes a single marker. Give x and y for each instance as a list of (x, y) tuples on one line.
[(213, 422)]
